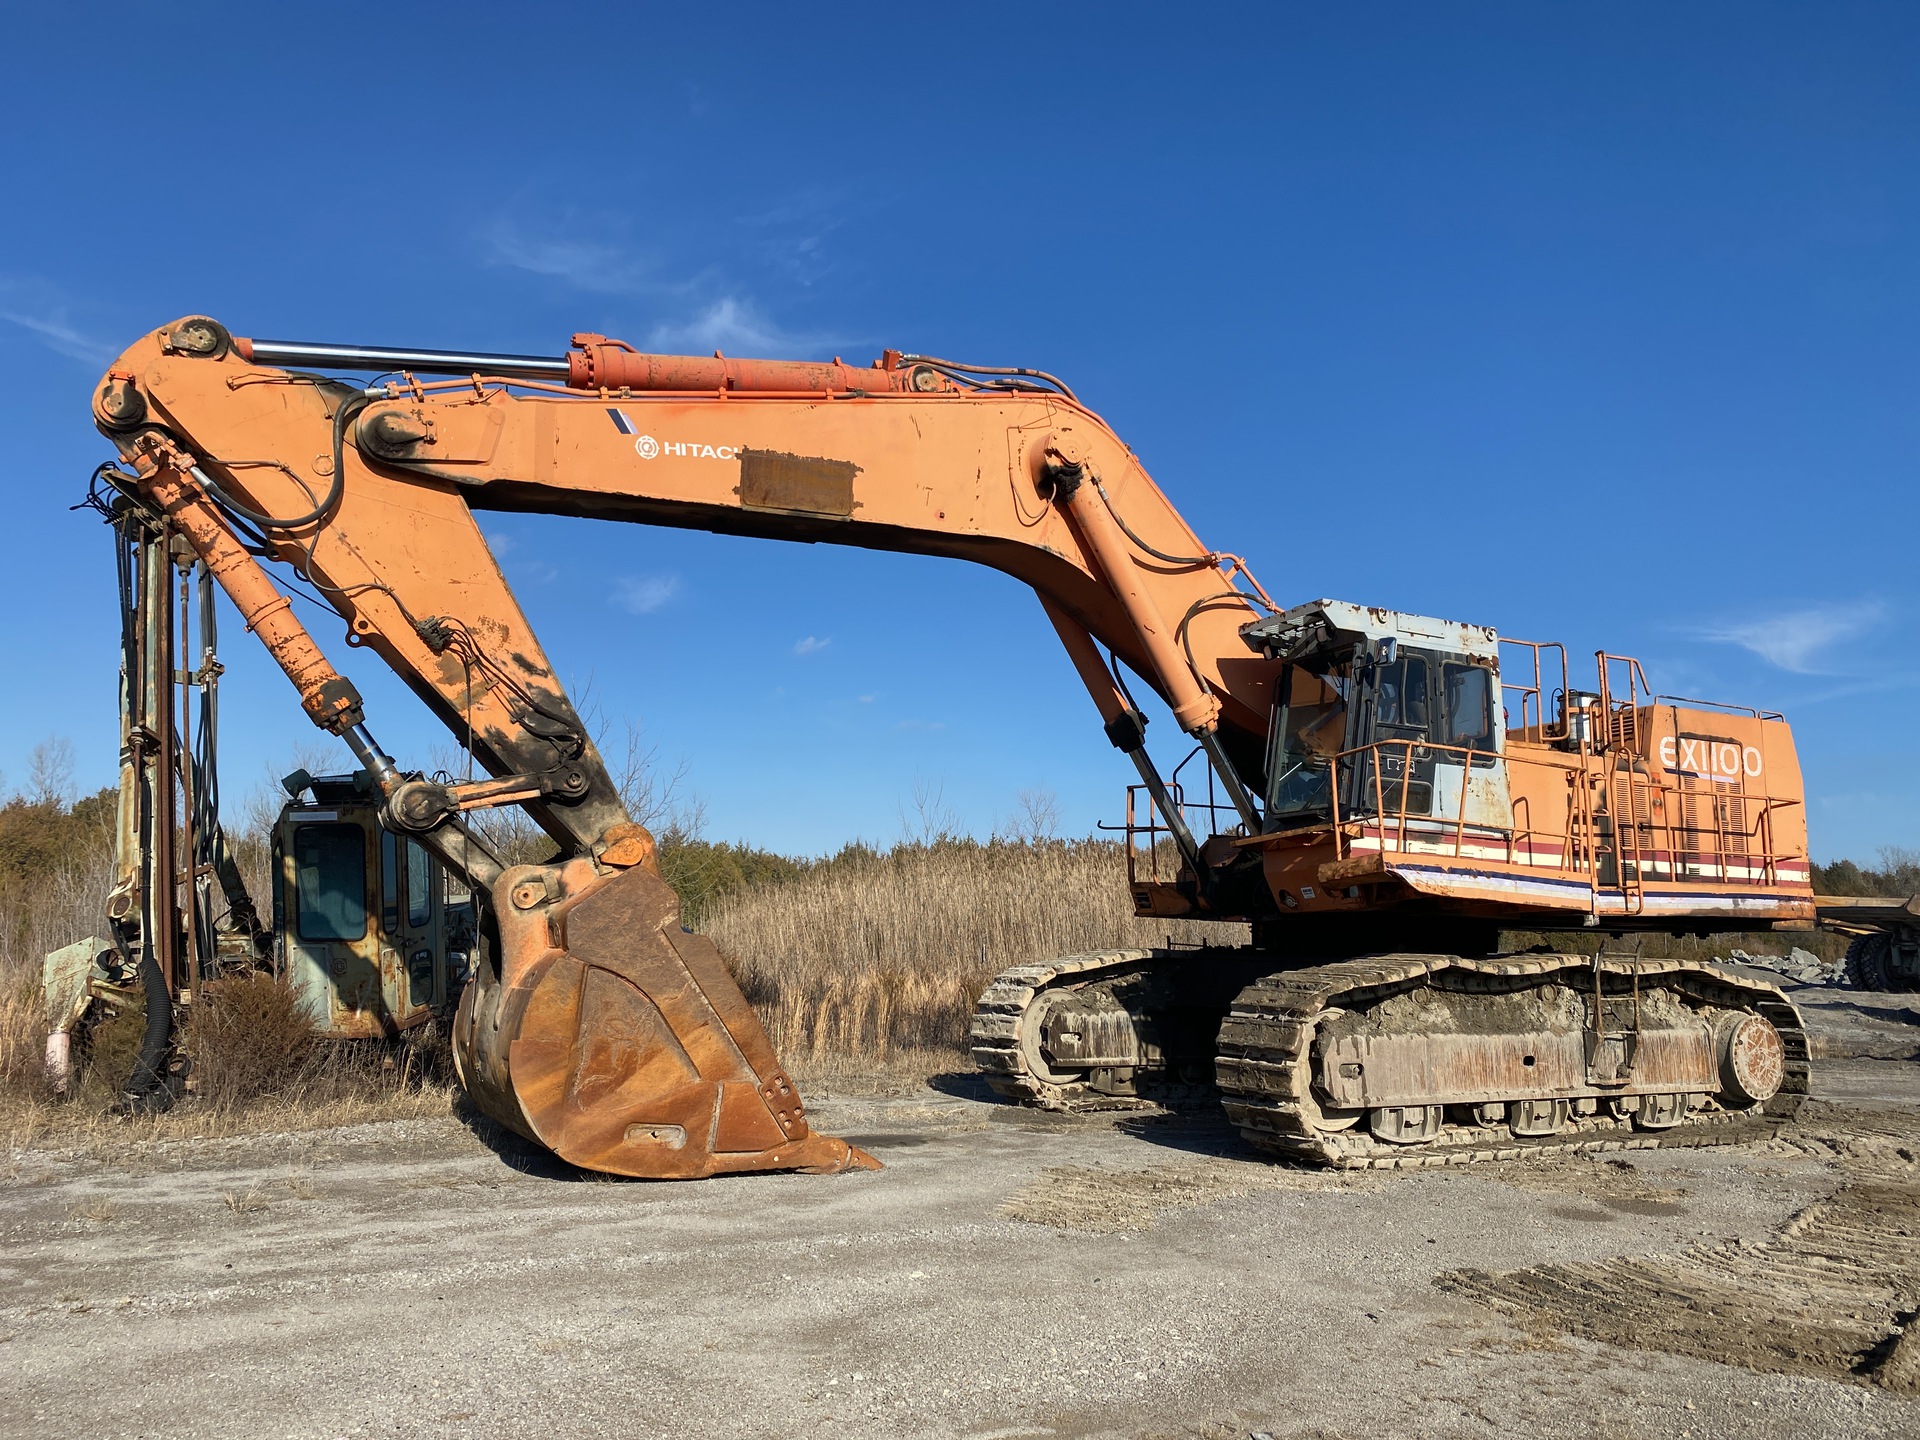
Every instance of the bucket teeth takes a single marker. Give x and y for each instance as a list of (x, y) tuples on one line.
[(619, 1041)]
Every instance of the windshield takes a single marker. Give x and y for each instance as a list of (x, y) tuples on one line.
[(330, 881), (1403, 693), (1309, 730)]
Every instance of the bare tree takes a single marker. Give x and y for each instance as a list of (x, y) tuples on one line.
[(655, 795), (1901, 866), (50, 772), (926, 818), (1036, 819)]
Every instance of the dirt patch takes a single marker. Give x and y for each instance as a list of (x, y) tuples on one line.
[(1617, 1184), (1103, 1199), (1835, 1292)]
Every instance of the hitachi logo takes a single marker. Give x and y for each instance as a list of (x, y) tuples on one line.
[(648, 448), (682, 450)]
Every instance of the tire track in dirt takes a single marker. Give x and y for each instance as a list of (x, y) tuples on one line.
[(1835, 1292), (1106, 1199)]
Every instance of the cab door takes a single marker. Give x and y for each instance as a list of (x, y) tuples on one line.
[(1402, 713), (331, 944), (412, 926), (1470, 787)]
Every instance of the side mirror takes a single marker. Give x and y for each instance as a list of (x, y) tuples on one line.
[(1386, 649)]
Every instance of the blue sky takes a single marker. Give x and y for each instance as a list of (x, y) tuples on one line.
[(1591, 323)]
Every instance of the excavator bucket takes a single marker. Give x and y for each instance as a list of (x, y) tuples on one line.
[(617, 1039)]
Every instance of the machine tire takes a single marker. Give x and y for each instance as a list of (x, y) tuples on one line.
[(1867, 962)]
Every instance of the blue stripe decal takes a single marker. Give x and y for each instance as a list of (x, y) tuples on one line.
[(1581, 886)]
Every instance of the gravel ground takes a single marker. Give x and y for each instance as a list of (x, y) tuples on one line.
[(1008, 1275)]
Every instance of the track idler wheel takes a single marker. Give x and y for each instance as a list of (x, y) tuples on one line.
[(1753, 1058), (618, 1040)]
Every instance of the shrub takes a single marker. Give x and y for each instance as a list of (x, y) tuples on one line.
[(249, 1040)]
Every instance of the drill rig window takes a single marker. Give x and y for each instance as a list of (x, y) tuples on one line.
[(420, 879), (389, 883), (330, 878)]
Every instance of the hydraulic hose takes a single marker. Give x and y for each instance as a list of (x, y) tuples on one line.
[(146, 1087), (342, 416)]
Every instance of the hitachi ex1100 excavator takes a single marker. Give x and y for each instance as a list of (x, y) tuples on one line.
[(1377, 794)]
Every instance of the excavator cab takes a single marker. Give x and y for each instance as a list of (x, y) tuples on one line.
[(1382, 714), (369, 929)]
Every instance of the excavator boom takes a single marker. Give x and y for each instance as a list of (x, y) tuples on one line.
[(605, 1030)]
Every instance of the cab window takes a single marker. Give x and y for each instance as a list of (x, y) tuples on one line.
[(1469, 707), (330, 882), (1309, 732), (389, 882), (419, 879), (1403, 693)]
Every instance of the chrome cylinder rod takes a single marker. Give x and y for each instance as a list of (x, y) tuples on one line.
[(381, 358), (367, 751)]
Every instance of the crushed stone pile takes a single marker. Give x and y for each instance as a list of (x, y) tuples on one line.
[(1803, 967)]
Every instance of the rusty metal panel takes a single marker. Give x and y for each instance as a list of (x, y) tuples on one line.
[(1357, 1070), (773, 480)]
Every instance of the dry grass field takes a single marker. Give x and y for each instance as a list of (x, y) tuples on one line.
[(864, 968), (872, 963)]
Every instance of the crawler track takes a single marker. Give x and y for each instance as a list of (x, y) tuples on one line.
[(1012, 1069), (1263, 1059), (1264, 1065)]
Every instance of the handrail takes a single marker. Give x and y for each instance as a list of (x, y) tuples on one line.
[(1541, 731), (1636, 845), (1716, 705)]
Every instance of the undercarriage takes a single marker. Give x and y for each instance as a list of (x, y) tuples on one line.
[(1403, 1060)]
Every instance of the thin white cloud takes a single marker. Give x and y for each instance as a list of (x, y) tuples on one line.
[(734, 326), (500, 544), (793, 233), (644, 594), (529, 571), (1799, 640), (921, 725), (811, 645), (722, 319), (41, 310), (62, 338), (583, 264)]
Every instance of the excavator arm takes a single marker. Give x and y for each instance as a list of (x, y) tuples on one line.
[(607, 1032)]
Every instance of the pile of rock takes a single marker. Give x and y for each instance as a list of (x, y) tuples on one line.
[(1803, 967)]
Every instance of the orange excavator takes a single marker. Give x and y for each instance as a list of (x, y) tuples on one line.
[(1378, 795)]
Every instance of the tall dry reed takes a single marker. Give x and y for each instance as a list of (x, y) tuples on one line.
[(879, 958)]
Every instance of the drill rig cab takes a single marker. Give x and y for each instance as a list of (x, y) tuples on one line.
[(369, 930), (366, 926)]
